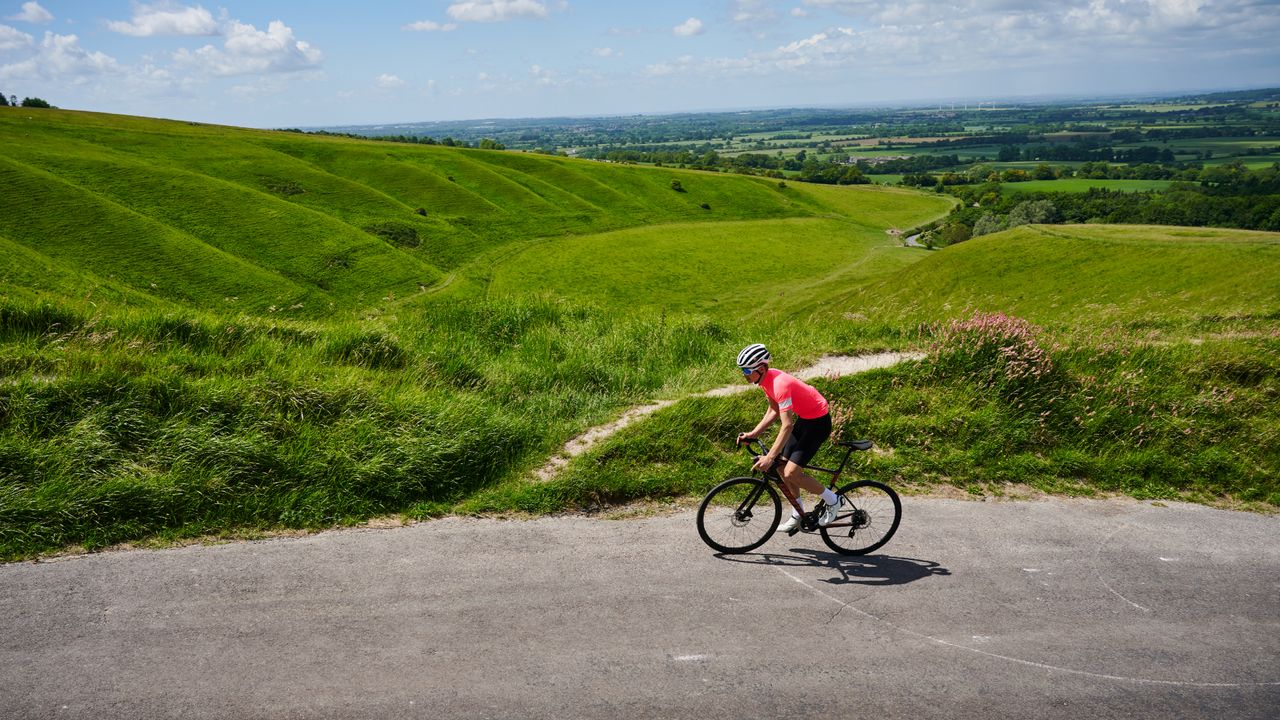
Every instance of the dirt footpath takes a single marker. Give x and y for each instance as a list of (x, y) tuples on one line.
[(1046, 609)]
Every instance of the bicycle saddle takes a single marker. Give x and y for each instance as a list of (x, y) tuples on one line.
[(855, 444)]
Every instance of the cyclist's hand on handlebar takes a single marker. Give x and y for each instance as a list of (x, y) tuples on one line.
[(742, 438), (763, 463)]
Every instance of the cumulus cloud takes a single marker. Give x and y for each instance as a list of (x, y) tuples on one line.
[(430, 26), (752, 12), (32, 13), (606, 52), (388, 82), (248, 50), (496, 10), (688, 28), (14, 39), (60, 58), (897, 38), (165, 19)]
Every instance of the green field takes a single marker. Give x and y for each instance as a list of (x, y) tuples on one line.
[(214, 331), (1076, 185)]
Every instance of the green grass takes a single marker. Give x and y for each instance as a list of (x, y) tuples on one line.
[(1152, 368), (207, 216), (730, 270), (206, 330), (1079, 185), (1090, 276)]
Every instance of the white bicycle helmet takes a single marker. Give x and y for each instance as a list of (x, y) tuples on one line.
[(752, 355)]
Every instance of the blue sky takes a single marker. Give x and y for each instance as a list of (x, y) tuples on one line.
[(286, 63)]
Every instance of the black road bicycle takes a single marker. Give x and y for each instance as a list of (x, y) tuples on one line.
[(741, 513)]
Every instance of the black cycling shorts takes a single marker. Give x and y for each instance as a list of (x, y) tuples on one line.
[(806, 438)]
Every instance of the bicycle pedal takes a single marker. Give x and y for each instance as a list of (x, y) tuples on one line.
[(794, 531)]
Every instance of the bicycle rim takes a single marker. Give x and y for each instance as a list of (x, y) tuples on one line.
[(867, 521), (739, 515)]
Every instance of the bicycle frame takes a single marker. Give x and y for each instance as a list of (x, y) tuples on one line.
[(773, 474)]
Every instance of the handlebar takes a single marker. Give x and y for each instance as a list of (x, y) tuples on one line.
[(751, 449)]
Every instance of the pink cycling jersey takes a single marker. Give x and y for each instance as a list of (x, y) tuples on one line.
[(792, 394)]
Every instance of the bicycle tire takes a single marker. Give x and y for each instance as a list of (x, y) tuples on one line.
[(874, 510), (735, 516)]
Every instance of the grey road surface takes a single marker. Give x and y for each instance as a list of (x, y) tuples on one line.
[(1044, 609)]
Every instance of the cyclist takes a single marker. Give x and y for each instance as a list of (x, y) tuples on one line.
[(806, 424)]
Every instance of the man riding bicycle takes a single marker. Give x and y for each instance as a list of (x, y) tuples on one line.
[(806, 424)]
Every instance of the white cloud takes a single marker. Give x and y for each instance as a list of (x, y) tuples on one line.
[(388, 82), (32, 13), (752, 12), (606, 52), (14, 39), (799, 12), (60, 58), (496, 10), (915, 38), (165, 19), (688, 28), (247, 51), (430, 26)]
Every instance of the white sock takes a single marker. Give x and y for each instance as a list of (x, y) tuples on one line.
[(795, 514), (829, 497)]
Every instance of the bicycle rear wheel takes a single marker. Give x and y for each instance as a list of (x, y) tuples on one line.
[(739, 514), (870, 517)]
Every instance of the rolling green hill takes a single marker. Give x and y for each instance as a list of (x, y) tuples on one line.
[(230, 219), (1090, 276), (216, 330)]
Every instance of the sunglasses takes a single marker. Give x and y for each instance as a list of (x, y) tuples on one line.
[(747, 373)]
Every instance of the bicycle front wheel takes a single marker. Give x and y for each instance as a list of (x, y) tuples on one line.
[(868, 518), (739, 514)]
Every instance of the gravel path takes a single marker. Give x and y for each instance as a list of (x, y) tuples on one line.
[(831, 366)]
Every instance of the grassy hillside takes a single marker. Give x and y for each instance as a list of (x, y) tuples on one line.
[(1090, 276), (252, 221), (731, 270), (212, 330), (1077, 359)]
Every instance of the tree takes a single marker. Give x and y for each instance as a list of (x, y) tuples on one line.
[(34, 102), (987, 224), (4, 101), (1030, 212), (953, 233)]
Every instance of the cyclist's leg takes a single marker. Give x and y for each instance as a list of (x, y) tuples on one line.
[(796, 478)]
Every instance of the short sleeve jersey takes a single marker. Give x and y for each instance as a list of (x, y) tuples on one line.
[(794, 395)]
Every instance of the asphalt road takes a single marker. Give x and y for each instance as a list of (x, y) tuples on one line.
[(1045, 609)]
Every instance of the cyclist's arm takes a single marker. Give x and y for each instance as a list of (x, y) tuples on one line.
[(770, 417), (784, 432)]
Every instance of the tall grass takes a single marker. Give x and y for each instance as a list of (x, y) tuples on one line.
[(996, 402), (120, 426)]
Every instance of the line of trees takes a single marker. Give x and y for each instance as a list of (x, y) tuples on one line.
[(29, 102), (482, 144), (1230, 196)]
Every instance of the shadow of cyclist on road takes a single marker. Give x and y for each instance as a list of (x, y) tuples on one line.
[(859, 570)]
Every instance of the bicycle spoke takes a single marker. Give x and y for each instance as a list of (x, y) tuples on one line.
[(739, 515), (868, 519)]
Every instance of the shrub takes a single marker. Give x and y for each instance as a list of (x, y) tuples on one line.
[(398, 234), (675, 185), (1000, 352), (705, 206), (283, 188)]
